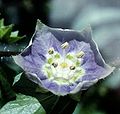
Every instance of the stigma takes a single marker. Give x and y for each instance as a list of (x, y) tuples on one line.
[(64, 65)]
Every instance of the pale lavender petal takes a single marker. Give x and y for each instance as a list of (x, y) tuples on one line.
[(51, 86), (54, 87), (64, 35), (64, 89), (43, 40), (85, 35), (72, 86), (33, 77), (77, 88), (34, 60)]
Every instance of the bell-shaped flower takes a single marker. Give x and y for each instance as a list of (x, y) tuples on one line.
[(62, 61)]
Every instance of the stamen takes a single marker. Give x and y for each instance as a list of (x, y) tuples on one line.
[(72, 67), (69, 56), (50, 60), (80, 54), (57, 56), (66, 66), (65, 45), (51, 51), (55, 64)]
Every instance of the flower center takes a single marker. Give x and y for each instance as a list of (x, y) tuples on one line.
[(64, 65), (63, 69)]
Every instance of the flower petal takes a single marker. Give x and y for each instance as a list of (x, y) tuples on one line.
[(85, 35), (64, 90), (77, 88), (51, 86), (44, 39), (36, 60), (64, 35)]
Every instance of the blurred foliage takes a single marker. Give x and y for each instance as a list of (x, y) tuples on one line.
[(23, 105), (87, 110), (7, 38), (6, 34)]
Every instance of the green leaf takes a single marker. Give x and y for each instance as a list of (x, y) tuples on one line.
[(24, 85), (77, 109), (76, 96), (17, 78), (23, 105), (90, 109), (5, 32), (14, 34), (1, 22), (15, 39)]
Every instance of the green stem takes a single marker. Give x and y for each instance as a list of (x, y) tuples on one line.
[(7, 54)]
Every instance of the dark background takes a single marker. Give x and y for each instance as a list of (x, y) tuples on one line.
[(104, 17), (24, 13)]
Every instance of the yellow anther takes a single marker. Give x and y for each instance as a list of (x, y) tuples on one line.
[(51, 51), (64, 65), (65, 45), (80, 54)]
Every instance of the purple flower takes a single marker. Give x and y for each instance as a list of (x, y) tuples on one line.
[(62, 61)]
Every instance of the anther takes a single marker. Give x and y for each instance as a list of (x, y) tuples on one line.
[(55, 64), (72, 67), (51, 51), (80, 54), (65, 45)]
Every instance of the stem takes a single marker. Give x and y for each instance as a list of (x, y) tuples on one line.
[(7, 54)]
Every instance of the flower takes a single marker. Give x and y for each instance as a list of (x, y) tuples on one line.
[(62, 61)]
